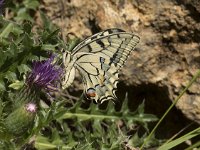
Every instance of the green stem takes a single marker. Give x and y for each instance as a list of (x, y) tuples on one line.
[(80, 115), (172, 105), (49, 146)]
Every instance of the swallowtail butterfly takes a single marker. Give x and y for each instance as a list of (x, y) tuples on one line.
[(98, 59)]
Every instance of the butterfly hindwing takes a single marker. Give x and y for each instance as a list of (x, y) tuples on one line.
[(100, 82), (99, 58)]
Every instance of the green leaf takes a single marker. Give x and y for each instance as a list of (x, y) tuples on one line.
[(22, 15), (135, 140), (45, 20), (141, 108), (31, 4), (33, 58), (27, 27), (7, 30), (9, 27), (2, 86), (43, 143), (47, 24), (180, 140), (27, 41), (49, 47), (72, 43), (56, 137), (1, 107), (11, 76), (23, 69), (12, 50), (16, 85)]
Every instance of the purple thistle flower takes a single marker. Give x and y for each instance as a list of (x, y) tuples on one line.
[(45, 75)]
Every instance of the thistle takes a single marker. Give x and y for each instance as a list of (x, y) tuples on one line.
[(44, 75)]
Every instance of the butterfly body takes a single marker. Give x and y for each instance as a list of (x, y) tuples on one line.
[(69, 70), (98, 59)]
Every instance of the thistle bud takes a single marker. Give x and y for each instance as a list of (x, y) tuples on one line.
[(21, 119)]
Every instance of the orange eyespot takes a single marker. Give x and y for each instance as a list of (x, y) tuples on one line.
[(91, 93)]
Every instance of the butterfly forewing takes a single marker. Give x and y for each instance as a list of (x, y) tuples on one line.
[(94, 38), (99, 58)]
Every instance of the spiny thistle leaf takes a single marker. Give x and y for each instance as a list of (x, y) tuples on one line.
[(95, 113), (91, 125)]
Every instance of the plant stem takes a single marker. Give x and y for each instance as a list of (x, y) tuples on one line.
[(172, 105)]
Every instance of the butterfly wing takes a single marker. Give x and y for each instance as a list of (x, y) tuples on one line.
[(99, 58)]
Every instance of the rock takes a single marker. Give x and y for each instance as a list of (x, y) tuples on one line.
[(168, 54)]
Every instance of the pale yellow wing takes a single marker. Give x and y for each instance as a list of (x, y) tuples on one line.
[(99, 58)]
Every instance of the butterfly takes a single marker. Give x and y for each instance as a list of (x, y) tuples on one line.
[(99, 58)]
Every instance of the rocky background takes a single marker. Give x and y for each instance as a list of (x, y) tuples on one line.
[(164, 61)]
